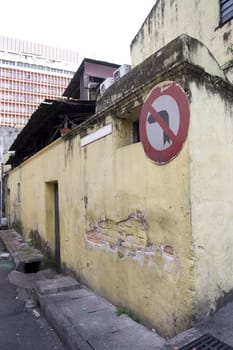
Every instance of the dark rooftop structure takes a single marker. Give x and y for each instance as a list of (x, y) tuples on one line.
[(90, 74), (53, 119)]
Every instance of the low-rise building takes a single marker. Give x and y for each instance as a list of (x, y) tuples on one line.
[(136, 199)]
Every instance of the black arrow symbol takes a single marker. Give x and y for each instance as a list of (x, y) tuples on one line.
[(164, 115)]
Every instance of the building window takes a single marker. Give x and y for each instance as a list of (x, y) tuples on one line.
[(226, 10), (18, 193), (136, 137)]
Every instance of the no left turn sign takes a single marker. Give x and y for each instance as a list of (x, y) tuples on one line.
[(164, 122)]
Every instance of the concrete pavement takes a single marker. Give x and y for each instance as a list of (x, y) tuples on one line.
[(21, 328), (86, 321)]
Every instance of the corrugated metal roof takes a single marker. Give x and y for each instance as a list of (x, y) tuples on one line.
[(45, 124)]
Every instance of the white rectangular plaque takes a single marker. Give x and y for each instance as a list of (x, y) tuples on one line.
[(106, 130)]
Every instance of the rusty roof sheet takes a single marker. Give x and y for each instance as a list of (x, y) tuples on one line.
[(45, 124)]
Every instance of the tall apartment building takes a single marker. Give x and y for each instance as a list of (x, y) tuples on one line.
[(29, 73)]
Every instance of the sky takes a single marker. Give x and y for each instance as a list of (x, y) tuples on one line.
[(101, 30)]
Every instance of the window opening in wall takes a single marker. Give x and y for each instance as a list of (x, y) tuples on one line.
[(18, 193), (127, 128), (53, 220), (226, 10), (136, 137)]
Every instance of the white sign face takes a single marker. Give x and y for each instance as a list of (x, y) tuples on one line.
[(167, 108)]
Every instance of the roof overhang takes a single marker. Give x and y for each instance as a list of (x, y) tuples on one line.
[(46, 125)]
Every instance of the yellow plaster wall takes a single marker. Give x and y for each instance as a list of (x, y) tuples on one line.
[(13, 205), (33, 175), (124, 223), (161, 193), (138, 273), (211, 188), (171, 18)]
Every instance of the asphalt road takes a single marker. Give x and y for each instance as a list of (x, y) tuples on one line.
[(21, 328)]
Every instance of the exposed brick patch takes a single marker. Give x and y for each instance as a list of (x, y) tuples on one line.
[(127, 238), (129, 233), (95, 237)]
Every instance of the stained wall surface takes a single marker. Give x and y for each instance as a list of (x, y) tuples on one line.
[(211, 189), (171, 18), (124, 222), (153, 238)]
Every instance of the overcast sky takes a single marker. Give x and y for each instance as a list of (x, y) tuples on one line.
[(100, 29)]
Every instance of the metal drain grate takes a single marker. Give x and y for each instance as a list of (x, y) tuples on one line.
[(206, 342)]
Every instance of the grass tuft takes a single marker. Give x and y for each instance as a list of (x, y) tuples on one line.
[(125, 310)]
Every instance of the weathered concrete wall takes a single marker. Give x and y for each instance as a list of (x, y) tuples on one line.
[(119, 219), (148, 237), (171, 18), (211, 189), (27, 194), (132, 224), (7, 136)]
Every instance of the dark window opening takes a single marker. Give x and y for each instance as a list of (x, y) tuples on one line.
[(18, 193), (226, 10), (136, 136)]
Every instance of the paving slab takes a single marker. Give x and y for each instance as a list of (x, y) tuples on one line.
[(87, 321), (63, 297), (56, 285), (65, 328), (28, 281), (136, 338), (90, 325), (100, 324), (100, 329), (90, 304), (95, 321)]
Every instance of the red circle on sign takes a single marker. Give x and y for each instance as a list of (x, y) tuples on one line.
[(175, 139)]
